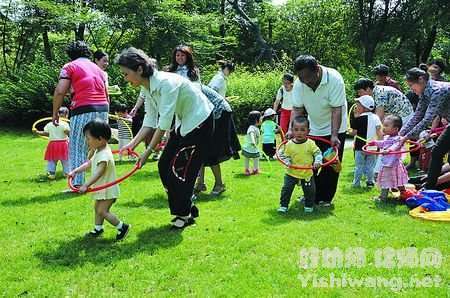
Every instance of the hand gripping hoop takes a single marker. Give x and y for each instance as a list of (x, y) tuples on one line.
[(331, 161), (136, 167)]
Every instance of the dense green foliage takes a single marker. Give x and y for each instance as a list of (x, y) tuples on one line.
[(351, 36)]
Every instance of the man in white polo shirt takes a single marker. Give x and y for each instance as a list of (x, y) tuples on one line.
[(320, 92)]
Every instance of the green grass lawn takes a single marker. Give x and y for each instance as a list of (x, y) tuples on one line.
[(240, 246)]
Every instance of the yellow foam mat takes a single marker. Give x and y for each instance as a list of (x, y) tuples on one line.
[(421, 213)]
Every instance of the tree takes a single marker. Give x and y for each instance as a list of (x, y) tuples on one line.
[(266, 52)]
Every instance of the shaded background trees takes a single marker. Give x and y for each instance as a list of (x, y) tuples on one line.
[(351, 35)]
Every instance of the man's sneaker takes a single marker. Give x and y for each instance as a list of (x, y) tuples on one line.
[(51, 176), (123, 232), (247, 172), (255, 172), (308, 209), (95, 233), (282, 209)]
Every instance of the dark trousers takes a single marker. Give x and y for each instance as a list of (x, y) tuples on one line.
[(327, 180), (180, 192), (309, 190), (437, 156), (269, 149)]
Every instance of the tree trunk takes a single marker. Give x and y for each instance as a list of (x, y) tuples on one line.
[(47, 48), (222, 24), (79, 32), (266, 51), (429, 43)]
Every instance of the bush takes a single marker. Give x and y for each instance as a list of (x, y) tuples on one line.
[(255, 91), (27, 95)]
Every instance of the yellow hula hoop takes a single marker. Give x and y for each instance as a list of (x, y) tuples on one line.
[(230, 98), (118, 118), (43, 120), (352, 107)]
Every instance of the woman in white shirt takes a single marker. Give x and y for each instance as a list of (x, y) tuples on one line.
[(284, 95), (168, 95), (225, 143), (219, 81)]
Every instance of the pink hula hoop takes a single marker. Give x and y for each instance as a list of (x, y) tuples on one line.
[(416, 147), (136, 167)]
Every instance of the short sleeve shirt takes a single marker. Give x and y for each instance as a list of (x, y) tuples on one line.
[(268, 129), (301, 155), (112, 192), (57, 133), (393, 101), (248, 145), (88, 83), (319, 103), (285, 97)]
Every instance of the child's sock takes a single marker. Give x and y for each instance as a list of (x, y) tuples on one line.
[(119, 225), (256, 165), (98, 227)]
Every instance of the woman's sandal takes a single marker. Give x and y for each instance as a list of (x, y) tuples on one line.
[(180, 222), (199, 187), (217, 190)]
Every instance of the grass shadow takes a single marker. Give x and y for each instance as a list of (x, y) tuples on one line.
[(42, 199), (144, 174), (157, 201), (241, 176), (296, 213), (391, 206), (83, 250)]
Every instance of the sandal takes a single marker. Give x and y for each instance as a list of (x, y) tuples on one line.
[(199, 187), (217, 190), (180, 222)]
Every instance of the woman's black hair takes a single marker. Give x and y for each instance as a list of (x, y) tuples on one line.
[(99, 54), (440, 63), (78, 49), (305, 61), (363, 83), (193, 72), (132, 58), (396, 121), (414, 74), (226, 64), (98, 128), (288, 77), (381, 70), (253, 117)]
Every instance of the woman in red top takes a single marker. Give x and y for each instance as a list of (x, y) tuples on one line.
[(89, 100)]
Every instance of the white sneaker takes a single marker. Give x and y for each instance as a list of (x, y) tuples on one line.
[(282, 209), (308, 209)]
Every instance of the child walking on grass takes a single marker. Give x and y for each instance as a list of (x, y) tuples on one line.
[(58, 145), (393, 173), (302, 152), (268, 131), (98, 133), (366, 125), (250, 149)]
